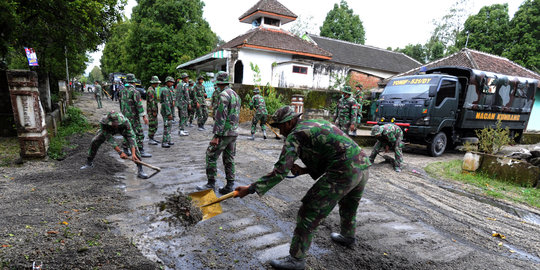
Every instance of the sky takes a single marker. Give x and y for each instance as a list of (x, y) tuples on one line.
[(387, 23)]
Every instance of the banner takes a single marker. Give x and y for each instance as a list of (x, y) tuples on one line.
[(32, 57)]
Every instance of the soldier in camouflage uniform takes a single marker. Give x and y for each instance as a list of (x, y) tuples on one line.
[(214, 100), (167, 111), (132, 108), (183, 103), (115, 123), (388, 136), (359, 104), (193, 103), (227, 115), (257, 103), (152, 109), (330, 156), (346, 111), (200, 103), (98, 91)]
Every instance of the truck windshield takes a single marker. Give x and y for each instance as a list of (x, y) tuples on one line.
[(409, 88)]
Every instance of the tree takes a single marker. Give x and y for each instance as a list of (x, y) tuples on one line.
[(95, 74), (434, 50), (417, 52), (302, 25), (487, 31), (115, 56), (524, 42), (447, 29), (341, 23)]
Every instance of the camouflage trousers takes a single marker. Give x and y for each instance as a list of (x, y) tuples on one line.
[(343, 188), (183, 116), (202, 115), (227, 146), (167, 126), (137, 129), (98, 100), (97, 141), (345, 127), (258, 118), (397, 147), (152, 124), (192, 113)]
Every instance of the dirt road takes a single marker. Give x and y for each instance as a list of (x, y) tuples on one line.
[(405, 220)]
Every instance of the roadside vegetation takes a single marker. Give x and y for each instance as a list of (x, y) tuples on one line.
[(75, 123), (9, 150), (487, 186)]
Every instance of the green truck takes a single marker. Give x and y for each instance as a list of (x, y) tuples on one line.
[(443, 107)]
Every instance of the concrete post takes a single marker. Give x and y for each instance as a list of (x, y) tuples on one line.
[(28, 113), (297, 101)]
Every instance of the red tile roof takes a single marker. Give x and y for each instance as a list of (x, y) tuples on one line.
[(269, 6)]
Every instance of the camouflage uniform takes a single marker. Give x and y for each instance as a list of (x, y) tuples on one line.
[(166, 98), (152, 109), (182, 101), (341, 168), (261, 114), (193, 102), (132, 108), (107, 131), (202, 111), (359, 103), (345, 113), (97, 93), (391, 136), (214, 101)]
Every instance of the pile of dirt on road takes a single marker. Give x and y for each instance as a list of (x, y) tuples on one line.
[(53, 212), (182, 208)]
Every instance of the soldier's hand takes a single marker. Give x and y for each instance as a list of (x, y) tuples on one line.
[(123, 156), (170, 117), (352, 127), (198, 105), (297, 170), (154, 114), (214, 141), (386, 149), (145, 120), (189, 107), (134, 157), (242, 191)]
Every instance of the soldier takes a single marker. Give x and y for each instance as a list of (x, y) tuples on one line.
[(200, 98), (225, 131), (257, 103), (388, 136), (183, 103), (330, 156), (346, 111), (98, 91), (214, 101), (132, 108), (359, 103), (152, 109), (115, 123), (167, 107), (193, 108)]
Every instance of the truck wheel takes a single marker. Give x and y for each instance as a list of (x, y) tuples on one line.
[(438, 144)]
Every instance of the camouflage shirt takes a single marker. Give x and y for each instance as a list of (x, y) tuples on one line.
[(166, 97), (181, 94), (227, 113), (199, 94), (151, 100), (191, 91), (124, 129), (321, 146), (98, 90), (130, 102), (346, 111), (391, 133), (257, 103)]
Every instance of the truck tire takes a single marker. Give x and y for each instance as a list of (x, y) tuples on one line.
[(438, 144)]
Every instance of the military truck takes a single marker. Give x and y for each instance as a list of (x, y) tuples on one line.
[(443, 107)]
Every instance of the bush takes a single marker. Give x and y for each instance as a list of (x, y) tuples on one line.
[(492, 140), (75, 123), (273, 100)]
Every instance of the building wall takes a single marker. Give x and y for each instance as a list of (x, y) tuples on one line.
[(286, 78), (324, 75), (368, 81), (264, 60), (534, 120)]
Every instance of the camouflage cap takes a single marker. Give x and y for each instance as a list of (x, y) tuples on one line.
[(155, 79), (184, 75), (169, 79), (112, 118), (130, 78), (376, 130), (284, 114), (256, 90), (346, 89), (200, 78), (222, 78)]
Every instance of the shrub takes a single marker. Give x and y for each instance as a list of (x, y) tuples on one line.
[(492, 140), (75, 123)]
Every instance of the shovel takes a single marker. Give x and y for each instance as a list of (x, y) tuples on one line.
[(277, 136), (209, 203), (387, 159), (156, 169)]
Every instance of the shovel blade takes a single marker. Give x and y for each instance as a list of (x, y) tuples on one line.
[(204, 197)]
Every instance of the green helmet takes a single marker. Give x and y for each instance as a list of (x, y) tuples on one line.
[(256, 90), (130, 78), (200, 78), (184, 75), (376, 130), (112, 118), (169, 79), (222, 78), (155, 79), (346, 89), (284, 114)]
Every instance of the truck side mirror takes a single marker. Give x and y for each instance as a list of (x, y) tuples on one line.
[(432, 91)]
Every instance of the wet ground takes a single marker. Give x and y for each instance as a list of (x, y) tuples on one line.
[(405, 220)]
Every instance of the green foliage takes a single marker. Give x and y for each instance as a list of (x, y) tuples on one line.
[(95, 74), (488, 30), (341, 23), (484, 184), (75, 123), (9, 150), (160, 35), (416, 52), (447, 29), (492, 140), (273, 100)]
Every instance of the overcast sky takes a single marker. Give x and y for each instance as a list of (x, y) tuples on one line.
[(387, 23)]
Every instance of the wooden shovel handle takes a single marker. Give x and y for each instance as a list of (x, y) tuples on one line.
[(147, 165), (222, 198), (272, 129)]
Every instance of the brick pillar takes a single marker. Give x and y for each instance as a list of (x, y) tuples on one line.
[(297, 101), (28, 113)]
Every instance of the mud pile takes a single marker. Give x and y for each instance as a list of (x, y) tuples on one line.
[(183, 210)]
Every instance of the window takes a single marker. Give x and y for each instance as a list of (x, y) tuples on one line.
[(447, 90), (271, 21), (299, 69)]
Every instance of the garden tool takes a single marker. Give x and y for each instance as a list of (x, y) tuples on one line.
[(277, 136), (156, 169), (388, 159), (209, 203)]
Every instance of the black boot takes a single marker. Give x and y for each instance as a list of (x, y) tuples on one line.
[(151, 141), (144, 154), (252, 137), (170, 143), (89, 164), (227, 188), (342, 240), (165, 145), (210, 185), (288, 263), (140, 172), (127, 151), (264, 134)]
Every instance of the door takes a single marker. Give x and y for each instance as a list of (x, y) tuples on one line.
[(444, 110)]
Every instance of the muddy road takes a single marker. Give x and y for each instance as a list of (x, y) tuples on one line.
[(405, 220)]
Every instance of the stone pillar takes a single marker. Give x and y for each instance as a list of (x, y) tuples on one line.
[(28, 113), (297, 102)]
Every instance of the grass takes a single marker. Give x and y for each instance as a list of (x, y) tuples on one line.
[(75, 123), (488, 186), (9, 150)]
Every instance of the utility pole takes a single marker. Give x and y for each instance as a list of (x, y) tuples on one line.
[(467, 42), (67, 69)]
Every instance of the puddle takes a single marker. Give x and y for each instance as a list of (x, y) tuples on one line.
[(520, 254)]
